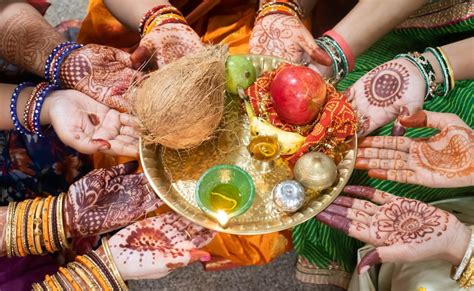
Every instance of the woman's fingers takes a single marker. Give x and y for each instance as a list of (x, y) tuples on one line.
[(313, 50), (352, 228), (386, 142), (402, 176), (352, 214), (349, 202), (375, 153), (373, 194), (367, 164)]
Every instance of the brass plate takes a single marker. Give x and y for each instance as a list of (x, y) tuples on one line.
[(173, 174)]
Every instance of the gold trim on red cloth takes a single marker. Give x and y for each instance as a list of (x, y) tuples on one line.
[(439, 14)]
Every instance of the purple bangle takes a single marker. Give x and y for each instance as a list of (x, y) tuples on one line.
[(13, 101), (47, 66), (38, 105), (57, 65)]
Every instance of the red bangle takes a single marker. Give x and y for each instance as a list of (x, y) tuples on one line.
[(344, 46), (147, 15)]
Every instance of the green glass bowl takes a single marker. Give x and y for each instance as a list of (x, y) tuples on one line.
[(225, 174)]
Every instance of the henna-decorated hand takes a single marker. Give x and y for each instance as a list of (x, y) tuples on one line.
[(444, 160), (107, 199), (89, 127), (395, 88), (286, 37), (401, 229), (104, 73), (152, 248), (165, 44)]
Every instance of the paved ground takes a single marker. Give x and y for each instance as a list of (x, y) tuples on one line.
[(279, 275)]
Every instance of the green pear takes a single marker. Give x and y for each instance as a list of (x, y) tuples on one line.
[(240, 73)]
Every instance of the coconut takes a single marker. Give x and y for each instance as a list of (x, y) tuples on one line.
[(181, 105)]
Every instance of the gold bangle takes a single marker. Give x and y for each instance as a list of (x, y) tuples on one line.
[(111, 264), (9, 228), (20, 215), (37, 227), (69, 278), (48, 282), (56, 283), (45, 223), (160, 12), (62, 232), (450, 68), (94, 269), (30, 236), (467, 277), (162, 18), (87, 278), (36, 287), (24, 226)]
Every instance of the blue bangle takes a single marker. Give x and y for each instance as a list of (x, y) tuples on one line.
[(47, 66), (13, 101), (38, 105), (57, 65)]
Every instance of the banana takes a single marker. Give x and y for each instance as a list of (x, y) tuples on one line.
[(289, 142)]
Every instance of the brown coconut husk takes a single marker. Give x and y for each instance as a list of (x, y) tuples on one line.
[(181, 105)]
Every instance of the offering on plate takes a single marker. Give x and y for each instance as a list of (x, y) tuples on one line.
[(288, 196), (298, 94), (266, 149), (240, 73), (315, 171), (225, 191)]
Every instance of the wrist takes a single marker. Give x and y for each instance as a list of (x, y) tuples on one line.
[(461, 243)]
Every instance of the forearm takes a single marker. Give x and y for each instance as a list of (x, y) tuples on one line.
[(26, 38), (371, 19), (306, 6), (460, 57), (6, 91), (130, 12)]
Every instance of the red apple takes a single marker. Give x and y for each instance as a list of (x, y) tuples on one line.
[(298, 94)]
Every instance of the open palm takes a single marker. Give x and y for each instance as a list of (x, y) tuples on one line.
[(89, 126), (380, 96), (403, 230), (444, 160), (152, 248)]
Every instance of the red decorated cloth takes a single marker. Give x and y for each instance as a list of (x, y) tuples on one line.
[(336, 124)]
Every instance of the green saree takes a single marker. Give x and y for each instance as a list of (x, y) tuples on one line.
[(331, 252)]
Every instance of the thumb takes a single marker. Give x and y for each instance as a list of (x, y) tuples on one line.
[(317, 54), (140, 56), (431, 119), (123, 169), (385, 254)]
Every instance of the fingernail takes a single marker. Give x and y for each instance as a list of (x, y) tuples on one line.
[(362, 164), (378, 174), (398, 130), (205, 259), (94, 119), (131, 166), (363, 269)]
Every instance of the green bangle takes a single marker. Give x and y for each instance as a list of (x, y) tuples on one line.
[(444, 69), (337, 62), (426, 71)]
